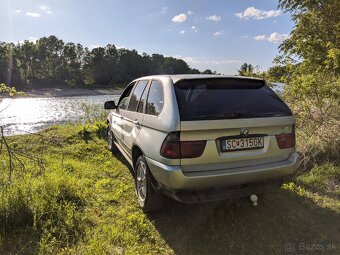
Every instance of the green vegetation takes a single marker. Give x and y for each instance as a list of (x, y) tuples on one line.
[(62, 192), (74, 197), (11, 91), (313, 83), (50, 62), (309, 65)]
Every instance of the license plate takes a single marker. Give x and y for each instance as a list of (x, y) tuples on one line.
[(241, 144)]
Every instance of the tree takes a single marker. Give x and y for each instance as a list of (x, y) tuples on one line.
[(312, 58), (316, 35), (130, 65), (246, 69), (49, 62), (278, 73), (72, 63), (50, 58), (208, 71), (9, 71)]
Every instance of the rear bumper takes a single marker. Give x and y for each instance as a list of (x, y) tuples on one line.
[(172, 177)]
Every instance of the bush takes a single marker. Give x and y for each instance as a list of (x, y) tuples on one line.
[(314, 98)]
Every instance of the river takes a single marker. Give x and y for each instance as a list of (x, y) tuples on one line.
[(25, 115)]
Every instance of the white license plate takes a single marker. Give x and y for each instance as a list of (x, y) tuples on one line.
[(242, 144)]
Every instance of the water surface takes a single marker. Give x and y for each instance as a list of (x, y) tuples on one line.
[(23, 115)]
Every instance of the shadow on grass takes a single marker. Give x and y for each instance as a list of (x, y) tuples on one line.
[(281, 222), (21, 241), (123, 160)]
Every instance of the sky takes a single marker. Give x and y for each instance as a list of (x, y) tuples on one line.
[(219, 35)]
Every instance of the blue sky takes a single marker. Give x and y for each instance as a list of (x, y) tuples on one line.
[(218, 35)]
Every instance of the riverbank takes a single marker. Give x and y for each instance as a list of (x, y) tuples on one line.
[(67, 92), (75, 197)]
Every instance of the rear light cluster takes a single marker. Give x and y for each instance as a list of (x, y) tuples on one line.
[(285, 141), (174, 148)]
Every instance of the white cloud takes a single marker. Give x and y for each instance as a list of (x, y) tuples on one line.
[(223, 61), (260, 37), (121, 47), (214, 18), (18, 11), (46, 9), (194, 28), (179, 18), (218, 33), (252, 12), (30, 39), (164, 9), (182, 32), (93, 46), (274, 37), (190, 60), (195, 60), (33, 14), (190, 13)]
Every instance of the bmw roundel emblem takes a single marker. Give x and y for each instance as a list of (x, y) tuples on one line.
[(244, 132)]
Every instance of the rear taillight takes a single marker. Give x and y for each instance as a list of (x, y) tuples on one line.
[(285, 141), (192, 149), (173, 148)]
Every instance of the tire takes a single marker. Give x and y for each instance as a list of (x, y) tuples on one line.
[(148, 199), (110, 140)]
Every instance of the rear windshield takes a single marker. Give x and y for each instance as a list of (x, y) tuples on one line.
[(206, 99)]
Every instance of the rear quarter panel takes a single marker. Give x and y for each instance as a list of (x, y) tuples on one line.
[(155, 128)]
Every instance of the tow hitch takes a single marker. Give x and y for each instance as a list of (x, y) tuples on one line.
[(254, 199)]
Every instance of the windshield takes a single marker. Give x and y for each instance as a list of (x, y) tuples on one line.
[(207, 99)]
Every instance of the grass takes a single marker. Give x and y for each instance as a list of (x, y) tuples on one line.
[(78, 198)]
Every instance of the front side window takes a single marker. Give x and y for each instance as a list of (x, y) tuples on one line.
[(125, 97), (155, 100), (136, 95)]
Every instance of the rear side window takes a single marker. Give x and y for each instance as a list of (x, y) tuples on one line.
[(143, 100), (155, 100), (205, 99), (136, 95)]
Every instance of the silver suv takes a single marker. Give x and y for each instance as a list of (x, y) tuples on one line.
[(202, 137)]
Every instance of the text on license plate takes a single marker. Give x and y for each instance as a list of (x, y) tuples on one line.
[(242, 144)]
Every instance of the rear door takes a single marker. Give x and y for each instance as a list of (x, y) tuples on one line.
[(238, 119)]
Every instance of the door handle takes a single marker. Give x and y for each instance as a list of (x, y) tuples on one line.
[(136, 122)]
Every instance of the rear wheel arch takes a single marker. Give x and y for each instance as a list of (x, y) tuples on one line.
[(136, 152)]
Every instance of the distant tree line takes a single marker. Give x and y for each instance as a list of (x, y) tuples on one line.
[(50, 62), (276, 73)]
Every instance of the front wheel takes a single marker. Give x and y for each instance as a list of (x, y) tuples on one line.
[(148, 198)]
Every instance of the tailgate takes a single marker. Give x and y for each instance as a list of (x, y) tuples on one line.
[(215, 131)]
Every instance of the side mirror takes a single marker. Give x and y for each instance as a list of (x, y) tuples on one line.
[(110, 105)]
